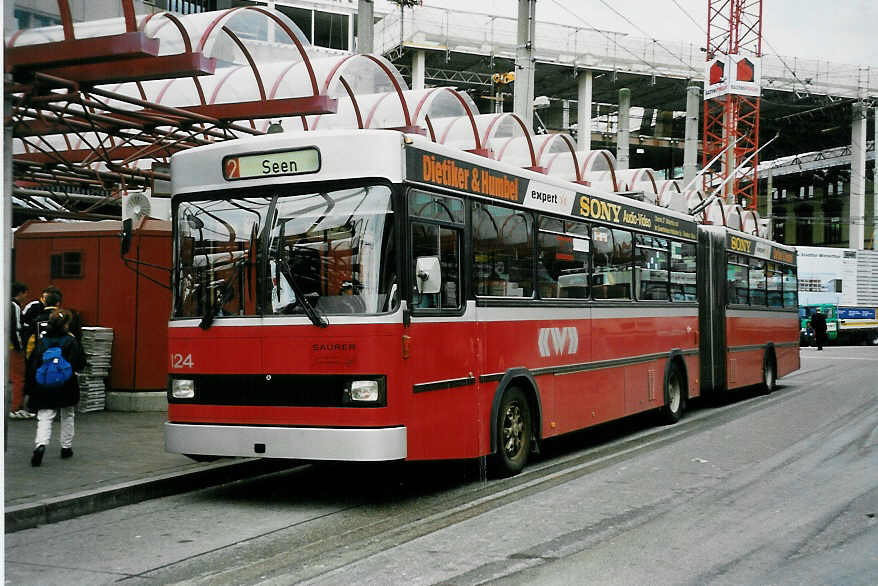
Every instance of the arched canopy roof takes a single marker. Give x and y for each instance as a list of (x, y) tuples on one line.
[(81, 30), (599, 168), (692, 197), (750, 222), (668, 185), (734, 216), (716, 213), (636, 179), (599, 160), (556, 155)]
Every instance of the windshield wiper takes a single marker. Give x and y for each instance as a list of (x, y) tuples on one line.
[(317, 319), (217, 304)]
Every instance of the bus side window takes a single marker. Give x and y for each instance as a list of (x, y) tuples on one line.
[(774, 292), (612, 254), (562, 261), (651, 260), (503, 251), (683, 278), (757, 281), (790, 287), (432, 240), (737, 280)]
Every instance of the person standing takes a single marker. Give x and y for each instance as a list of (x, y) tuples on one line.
[(52, 383), (16, 353), (818, 325), (34, 308), (35, 323)]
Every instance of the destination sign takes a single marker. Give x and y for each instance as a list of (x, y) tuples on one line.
[(759, 249), (272, 164), (442, 171)]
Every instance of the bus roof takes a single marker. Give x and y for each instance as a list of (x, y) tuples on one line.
[(395, 156), (357, 153)]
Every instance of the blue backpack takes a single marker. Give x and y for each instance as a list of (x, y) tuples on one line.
[(55, 370)]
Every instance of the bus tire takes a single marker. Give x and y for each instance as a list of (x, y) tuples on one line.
[(514, 428), (769, 372), (675, 395)]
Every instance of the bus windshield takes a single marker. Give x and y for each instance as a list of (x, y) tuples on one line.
[(317, 253)]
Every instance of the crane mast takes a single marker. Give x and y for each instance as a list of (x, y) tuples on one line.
[(731, 104)]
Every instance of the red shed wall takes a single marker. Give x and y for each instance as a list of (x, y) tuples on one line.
[(109, 294)]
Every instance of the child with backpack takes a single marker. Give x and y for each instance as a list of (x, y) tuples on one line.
[(57, 355)]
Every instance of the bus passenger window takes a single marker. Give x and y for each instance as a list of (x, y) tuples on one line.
[(774, 295), (611, 258), (562, 266), (503, 261), (651, 274), (790, 287), (683, 277), (757, 281), (736, 278), (431, 240)]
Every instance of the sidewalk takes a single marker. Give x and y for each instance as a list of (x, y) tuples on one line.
[(119, 459)]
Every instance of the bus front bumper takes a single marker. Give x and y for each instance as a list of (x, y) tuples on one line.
[(299, 443)]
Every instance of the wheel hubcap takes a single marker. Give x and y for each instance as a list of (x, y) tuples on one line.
[(513, 430)]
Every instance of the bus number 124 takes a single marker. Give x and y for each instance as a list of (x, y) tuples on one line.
[(180, 361)]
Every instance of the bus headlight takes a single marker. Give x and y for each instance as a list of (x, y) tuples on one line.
[(183, 388), (364, 391)]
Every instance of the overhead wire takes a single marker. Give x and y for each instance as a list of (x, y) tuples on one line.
[(605, 34), (649, 36)]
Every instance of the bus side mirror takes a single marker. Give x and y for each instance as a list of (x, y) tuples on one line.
[(125, 236), (428, 274)]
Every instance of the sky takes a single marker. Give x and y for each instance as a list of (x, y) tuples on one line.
[(842, 31)]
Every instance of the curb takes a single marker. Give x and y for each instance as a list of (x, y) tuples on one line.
[(52, 510)]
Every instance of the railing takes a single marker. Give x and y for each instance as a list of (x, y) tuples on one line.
[(485, 34)]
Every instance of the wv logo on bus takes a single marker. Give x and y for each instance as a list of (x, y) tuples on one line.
[(558, 341)]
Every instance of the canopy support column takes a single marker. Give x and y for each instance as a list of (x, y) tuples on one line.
[(856, 234), (623, 132), (524, 63), (418, 70), (690, 149), (583, 112)]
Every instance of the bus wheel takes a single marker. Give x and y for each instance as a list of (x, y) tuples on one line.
[(674, 398), (513, 434), (769, 373)]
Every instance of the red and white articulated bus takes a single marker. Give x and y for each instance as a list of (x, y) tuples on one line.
[(374, 296)]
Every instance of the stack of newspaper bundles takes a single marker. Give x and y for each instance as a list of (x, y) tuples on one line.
[(97, 343)]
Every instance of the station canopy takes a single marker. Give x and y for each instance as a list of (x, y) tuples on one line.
[(98, 107)]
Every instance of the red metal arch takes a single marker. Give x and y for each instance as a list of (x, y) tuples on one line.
[(354, 103), (530, 145), (572, 147), (755, 217), (274, 17), (397, 88), (669, 183), (478, 150), (448, 129), (610, 165), (650, 176), (187, 44)]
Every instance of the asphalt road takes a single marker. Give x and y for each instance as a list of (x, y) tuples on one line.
[(778, 489)]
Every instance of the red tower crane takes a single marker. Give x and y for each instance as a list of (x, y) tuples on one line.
[(731, 104)]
